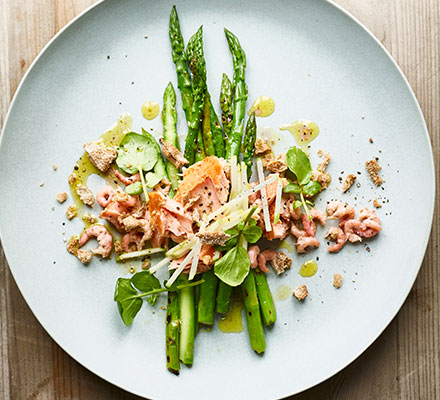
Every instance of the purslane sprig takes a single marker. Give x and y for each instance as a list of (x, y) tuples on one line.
[(299, 165)]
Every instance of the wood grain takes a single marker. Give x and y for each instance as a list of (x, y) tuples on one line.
[(404, 362)]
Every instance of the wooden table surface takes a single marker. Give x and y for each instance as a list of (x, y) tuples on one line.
[(403, 363)]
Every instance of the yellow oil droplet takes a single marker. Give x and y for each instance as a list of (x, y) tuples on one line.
[(232, 321), (263, 106), (303, 131), (84, 168), (283, 293), (150, 110), (286, 245), (308, 269)]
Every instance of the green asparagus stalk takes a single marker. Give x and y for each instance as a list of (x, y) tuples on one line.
[(208, 290), (169, 119), (253, 316), (199, 147), (206, 127), (265, 298), (240, 96), (187, 322), (172, 333), (179, 59), (226, 95), (250, 137), (217, 134), (223, 299), (197, 66)]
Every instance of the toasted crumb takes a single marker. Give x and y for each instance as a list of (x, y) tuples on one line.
[(61, 197), (100, 155), (118, 247), (370, 140), (377, 204), (146, 265), (337, 280), (373, 169), (300, 292), (72, 245), (72, 178), (162, 307), (85, 195), (262, 146), (90, 218), (267, 159), (323, 178), (41, 184), (71, 212), (84, 256), (213, 238), (324, 163), (320, 153), (173, 154), (277, 165), (281, 263), (349, 180), (54, 167)]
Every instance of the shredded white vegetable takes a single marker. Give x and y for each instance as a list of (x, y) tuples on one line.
[(244, 185), (160, 264), (278, 197), (234, 181), (179, 270), (266, 214), (141, 253), (195, 260), (238, 199), (182, 248)]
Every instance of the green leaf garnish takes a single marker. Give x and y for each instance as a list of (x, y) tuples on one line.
[(252, 234), (312, 188), (136, 152), (145, 282), (134, 189), (128, 305), (233, 267), (292, 187), (299, 164)]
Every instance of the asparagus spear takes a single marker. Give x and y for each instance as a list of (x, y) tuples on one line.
[(240, 96), (206, 126), (172, 333), (169, 118), (253, 316), (226, 94), (199, 148), (250, 137), (207, 298), (197, 66), (267, 304), (179, 58), (223, 299), (187, 322)]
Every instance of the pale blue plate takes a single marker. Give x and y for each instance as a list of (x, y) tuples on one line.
[(318, 63)]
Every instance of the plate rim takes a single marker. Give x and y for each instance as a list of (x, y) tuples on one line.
[(369, 342)]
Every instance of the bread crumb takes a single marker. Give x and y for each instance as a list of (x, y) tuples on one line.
[(54, 167), (373, 169), (72, 178), (320, 153), (61, 197), (41, 184), (162, 307), (300, 292), (349, 180), (146, 265), (324, 163), (71, 212), (370, 140), (89, 218), (262, 146), (337, 280), (377, 204), (85, 195)]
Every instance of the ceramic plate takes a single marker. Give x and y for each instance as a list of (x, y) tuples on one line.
[(318, 63)]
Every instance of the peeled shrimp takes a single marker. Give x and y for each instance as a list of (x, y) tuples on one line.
[(370, 224), (127, 180), (102, 235), (338, 210), (335, 233), (295, 231), (131, 238), (310, 225), (253, 253), (349, 230), (104, 196), (306, 241), (264, 257)]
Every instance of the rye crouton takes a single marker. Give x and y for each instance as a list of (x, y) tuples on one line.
[(85, 195), (61, 197), (300, 292), (100, 155), (349, 180), (373, 169), (173, 154)]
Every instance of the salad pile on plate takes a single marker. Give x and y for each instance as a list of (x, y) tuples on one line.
[(199, 210)]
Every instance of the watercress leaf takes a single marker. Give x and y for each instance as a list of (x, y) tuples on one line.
[(299, 164), (134, 189), (252, 234), (252, 222), (145, 281), (231, 242), (127, 305), (240, 226), (292, 187), (312, 188), (310, 203), (233, 267), (296, 204), (152, 179), (136, 151)]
